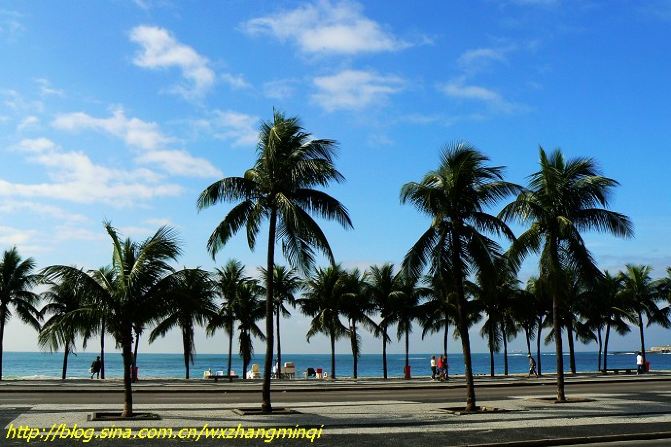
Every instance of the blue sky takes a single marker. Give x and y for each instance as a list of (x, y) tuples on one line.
[(126, 110)]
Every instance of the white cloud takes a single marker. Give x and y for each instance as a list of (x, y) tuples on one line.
[(40, 209), (10, 236), (134, 131), (46, 89), (236, 82), (73, 176), (327, 27), (458, 89), (27, 122), (15, 102), (180, 162), (10, 24), (280, 89), (143, 135), (478, 58), (160, 50), (354, 89), (238, 128)]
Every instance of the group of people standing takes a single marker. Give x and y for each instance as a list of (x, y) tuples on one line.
[(439, 368)]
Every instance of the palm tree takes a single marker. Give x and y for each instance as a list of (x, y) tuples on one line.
[(280, 187), (104, 276), (357, 307), (62, 298), (248, 309), (455, 197), (16, 283), (285, 286), (189, 300), (540, 304), (641, 295), (486, 298), (322, 300), (382, 287), (614, 308), (140, 272), (228, 282), (407, 309), (563, 199), (440, 310)]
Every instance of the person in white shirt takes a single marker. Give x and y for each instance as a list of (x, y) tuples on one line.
[(433, 367), (639, 364)]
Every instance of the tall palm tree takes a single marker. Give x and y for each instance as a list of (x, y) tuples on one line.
[(280, 188), (642, 295), (140, 272), (564, 198), (407, 309), (17, 280), (541, 304), (383, 287), (286, 285), (104, 276), (228, 282), (322, 301), (62, 298), (616, 311), (455, 197), (357, 307), (248, 309), (189, 301), (440, 310)]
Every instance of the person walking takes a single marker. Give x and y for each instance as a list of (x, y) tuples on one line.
[(639, 364), (433, 367), (532, 366), (95, 368)]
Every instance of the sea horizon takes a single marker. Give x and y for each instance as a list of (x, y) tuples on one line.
[(48, 365)]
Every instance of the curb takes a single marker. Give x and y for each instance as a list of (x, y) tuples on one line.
[(579, 440), (314, 388)]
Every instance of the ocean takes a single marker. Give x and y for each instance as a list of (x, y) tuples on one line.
[(43, 365)]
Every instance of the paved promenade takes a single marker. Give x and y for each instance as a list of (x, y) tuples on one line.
[(365, 412)]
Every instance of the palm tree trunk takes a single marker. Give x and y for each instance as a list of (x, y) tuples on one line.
[(230, 351), (600, 348), (186, 343), (571, 346), (471, 404), (605, 350), (102, 348), (491, 352), (407, 350), (504, 335), (127, 354), (355, 349), (137, 343), (555, 268), (266, 405), (333, 370), (2, 335), (384, 352), (505, 350), (640, 329), (527, 334), (447, 328), (538, 347), (491, 360), (66, 351), (279, 347)]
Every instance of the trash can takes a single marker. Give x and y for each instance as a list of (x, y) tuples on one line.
[(406, 371), (647, 366)]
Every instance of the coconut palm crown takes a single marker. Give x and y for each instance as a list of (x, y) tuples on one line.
[(280, 187), (563, 199), (455, 197)]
